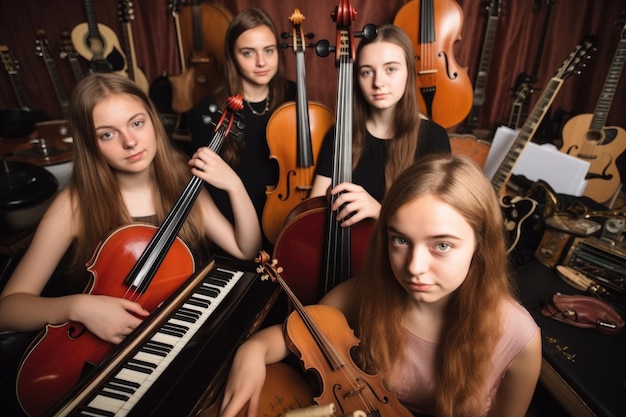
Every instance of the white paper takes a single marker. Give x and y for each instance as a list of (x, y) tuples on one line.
[(565, 173)]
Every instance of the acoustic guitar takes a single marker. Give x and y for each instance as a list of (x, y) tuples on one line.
[(98, 44), (586, 136), (68, 52), (517, 209), (12, 68), (126, 14), (43, 51)]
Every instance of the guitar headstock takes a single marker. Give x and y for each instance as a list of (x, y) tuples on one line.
[(174, 6), (41, 48), (126, 11), (574, 61), (67, 47), (11, 64), (494, 8)]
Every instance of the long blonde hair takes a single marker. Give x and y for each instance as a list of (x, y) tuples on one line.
[(402, 148), (93, 185), (472, 324)]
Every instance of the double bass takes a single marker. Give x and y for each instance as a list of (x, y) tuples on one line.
[(316, 251), (153, 262), (305, 121), (444, 89)]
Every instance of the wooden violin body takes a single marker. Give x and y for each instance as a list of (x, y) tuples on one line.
[(323, 340), (444, 89), (306, 123), (61, 354)]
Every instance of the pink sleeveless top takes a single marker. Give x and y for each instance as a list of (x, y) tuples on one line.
[(414, 382)]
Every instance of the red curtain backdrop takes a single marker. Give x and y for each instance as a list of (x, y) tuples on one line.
[(515, 46)]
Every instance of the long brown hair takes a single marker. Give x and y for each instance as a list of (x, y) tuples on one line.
[(402, 148), (472, 324), (93, 187), (278, 86)]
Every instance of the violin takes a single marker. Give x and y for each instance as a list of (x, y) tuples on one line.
[(305, 121), (153, 262), (444, 89), (201, 51), (318, 252), (322, 339)]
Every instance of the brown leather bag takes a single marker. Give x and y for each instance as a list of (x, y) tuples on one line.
[(583, 311)]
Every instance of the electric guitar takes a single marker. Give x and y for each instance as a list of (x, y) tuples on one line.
[(586, 136), (480, 84), (525, 82), (43, 51), (98, 44), (127, 15), (517, 209), (12, 67), (68, 52)]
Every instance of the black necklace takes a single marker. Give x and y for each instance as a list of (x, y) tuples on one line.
[(260, 113)]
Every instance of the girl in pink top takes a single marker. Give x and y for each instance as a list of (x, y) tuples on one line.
[(433, 306)]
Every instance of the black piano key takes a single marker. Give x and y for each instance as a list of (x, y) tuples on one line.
[(208, 291), (198, 302), (90, 411), (172, 331), (138, 368), (121, 385), (114, 395), (190, 312)]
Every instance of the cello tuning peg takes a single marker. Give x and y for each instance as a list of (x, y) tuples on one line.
[(286, 35), (323, 48), (286, 45), (309, 35), (370, 31)]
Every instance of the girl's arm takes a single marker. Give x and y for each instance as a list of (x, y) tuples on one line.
[(23, 309), (518, 386), (243, 239)]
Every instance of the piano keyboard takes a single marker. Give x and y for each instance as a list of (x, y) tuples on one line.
[(116, 392)]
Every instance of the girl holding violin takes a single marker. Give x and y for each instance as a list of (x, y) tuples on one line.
[(390, 134), (436, 249), (254, 68), (125, 171)]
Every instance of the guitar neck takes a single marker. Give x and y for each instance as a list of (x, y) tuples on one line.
[(53, 72), (527, 131), (480, 86), (603, 106), (11, 66), (129, 49)]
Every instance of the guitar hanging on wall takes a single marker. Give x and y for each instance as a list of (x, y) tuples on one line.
[(98, 44), (126, 14), (43, 51), (68, 52), (517, 209), (586, 136), (12, 67)]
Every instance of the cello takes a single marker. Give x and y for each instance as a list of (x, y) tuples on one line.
[(322, 251), (444, 89), (154, 261), (296, 165), (322, 339)]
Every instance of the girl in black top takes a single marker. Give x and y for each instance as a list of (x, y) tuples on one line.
[(390, 133), (253, 68)]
